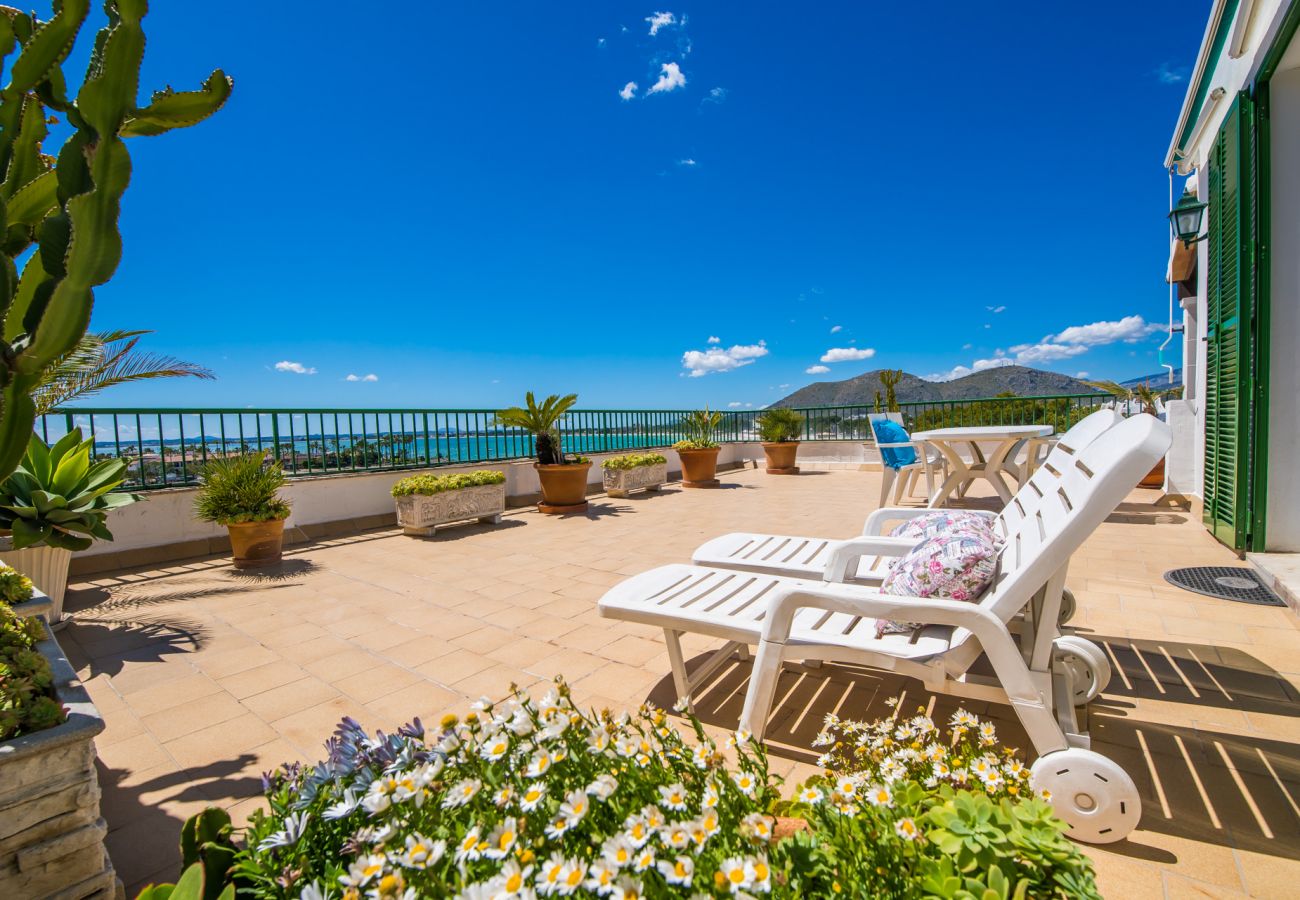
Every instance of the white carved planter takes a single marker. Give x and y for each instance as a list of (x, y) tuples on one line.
[(47, 567), (51, 832), (421, 514), (619, 482)]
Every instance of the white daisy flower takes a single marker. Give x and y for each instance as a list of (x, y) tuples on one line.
[(551, 874), (502, 840), (673, 796), (679, 871), (574, 807), (471, 846), (531, 797), (618, 851), (701, 756), (880, 795), (906, 829), (601, 877), (627, 888), (461, 793), (495, 747), (637, 831), (735, 874), (603, 787), (760, 876), (512, 881), (420, 852), (365, 869), (745, 782), (539, 765), (758, 825), (811, 795)]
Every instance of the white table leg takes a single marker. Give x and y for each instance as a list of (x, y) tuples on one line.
[(959, 475)]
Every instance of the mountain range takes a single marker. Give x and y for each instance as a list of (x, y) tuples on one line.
[(861, 389)]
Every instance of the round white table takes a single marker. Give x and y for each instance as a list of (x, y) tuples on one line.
[(1008, 439)]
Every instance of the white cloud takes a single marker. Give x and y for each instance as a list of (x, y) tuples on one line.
[(783, 386), (735, 404), (670, 79), (687, 162), (1168, 75), (600, 42), (1080, 374), (1129, 329), (716, 359), (371, 377), (996, 309), (967, 346), (660, 20), (296, 368), (835, 328), (816, 370), (1029, 354), (715, 95), (714, 339), (629, 91), (847, 354)]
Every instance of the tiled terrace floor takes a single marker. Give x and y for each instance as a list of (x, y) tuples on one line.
[(207, 677)]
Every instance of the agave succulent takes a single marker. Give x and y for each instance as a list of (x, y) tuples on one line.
[(58, 498)]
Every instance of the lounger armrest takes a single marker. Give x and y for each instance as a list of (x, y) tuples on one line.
[(991, 632), (876, 521), (845, 554)]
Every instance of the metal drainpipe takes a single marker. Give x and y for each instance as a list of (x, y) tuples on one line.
[(1169, 332)]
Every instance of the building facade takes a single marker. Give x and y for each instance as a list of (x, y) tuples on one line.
[(1236, 148)]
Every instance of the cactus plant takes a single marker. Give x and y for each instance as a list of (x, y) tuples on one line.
[(67, 206), (890, 379)]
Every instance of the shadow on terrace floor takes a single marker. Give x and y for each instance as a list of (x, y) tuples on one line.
[(1216, 787), (147, 808)]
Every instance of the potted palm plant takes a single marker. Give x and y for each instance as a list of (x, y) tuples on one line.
[(699, 450), (57, 501), (1147, 398), (564, 481), (780, 430), (242, 492)]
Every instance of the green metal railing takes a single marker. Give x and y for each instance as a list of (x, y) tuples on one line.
[(168, 447)]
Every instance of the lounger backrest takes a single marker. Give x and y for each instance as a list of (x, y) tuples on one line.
[(1045, 477), (1050, 525)]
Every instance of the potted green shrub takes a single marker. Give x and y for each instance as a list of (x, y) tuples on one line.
[(780, 430), (564, 481), (56, 502), (634, 471), (699, 450), (242, 492), (425, 502)]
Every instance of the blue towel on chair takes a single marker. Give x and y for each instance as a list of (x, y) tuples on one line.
[(890, 432)]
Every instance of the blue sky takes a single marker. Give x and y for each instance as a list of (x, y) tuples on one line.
[(459, 200)]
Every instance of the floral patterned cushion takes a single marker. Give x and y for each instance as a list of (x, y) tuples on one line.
[(956, 566), (944, 521)]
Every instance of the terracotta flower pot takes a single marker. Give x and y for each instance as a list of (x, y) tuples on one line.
[(256, 543), (699, 467), (1155, 478), (564, 488), (781, 456)]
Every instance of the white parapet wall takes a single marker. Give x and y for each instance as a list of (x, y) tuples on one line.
[(163, 526)]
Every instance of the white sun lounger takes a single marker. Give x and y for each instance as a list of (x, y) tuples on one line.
[(1042, 674), (807, 557)]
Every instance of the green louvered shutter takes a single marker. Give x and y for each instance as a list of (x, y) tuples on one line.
[(1229, 308)]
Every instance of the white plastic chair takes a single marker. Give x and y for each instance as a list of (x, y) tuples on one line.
[(906, 477), (1042, 675)]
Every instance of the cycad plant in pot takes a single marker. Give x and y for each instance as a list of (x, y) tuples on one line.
[(242, 492), (699, 450), (1147, 398), (564, 480), (780, 430), (57, 501)]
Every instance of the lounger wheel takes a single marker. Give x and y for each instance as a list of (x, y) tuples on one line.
[(1068, 607), (1090, 793), (1087, 664)]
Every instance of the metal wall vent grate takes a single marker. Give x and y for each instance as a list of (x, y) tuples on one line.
[(1225, 582)]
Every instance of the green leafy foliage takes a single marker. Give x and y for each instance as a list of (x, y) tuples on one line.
[(46, 200), (15, 587), (700, 428), (780, 425), (58, 498), (101, 361), (542, 422), (634, 461), (27, 700), (240, 488), (436, 484)]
